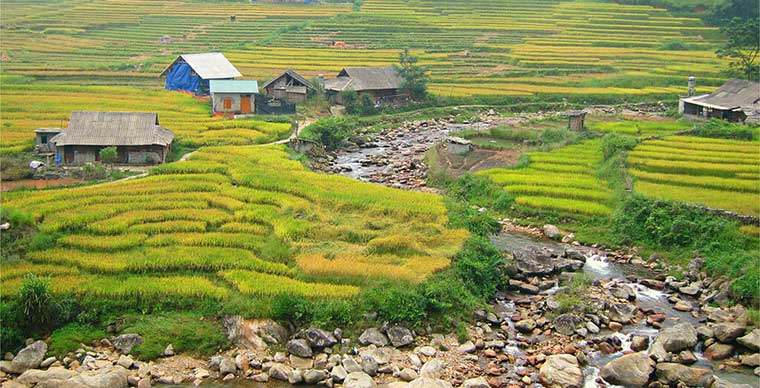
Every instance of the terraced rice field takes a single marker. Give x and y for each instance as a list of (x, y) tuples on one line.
[(717, 173), (562, 181), (232, 221)]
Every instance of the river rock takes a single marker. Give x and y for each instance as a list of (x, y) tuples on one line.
[(318, 338), (719, 351), (373, 336), (751, 340), (678, 337), (300, 348), (400, 336), (369, 366), (279, 371), (624, 292), (526, 325), (631, 370), (478, 382), (358, 380), (672, 373), (36, 376), (575, 254), (427, 382), (125, 342), (338, 373), (29, 357), (727, 332), (351, 365), (314, 376), (125, 362), (301, 362), (552, 232), (566, 323), (524, 287), (433, 369), (408, 374), (467, 347), (751, 360), (109, 377), (227, 366), (692, 290), (639, 343), (561, 371), (621, 312)]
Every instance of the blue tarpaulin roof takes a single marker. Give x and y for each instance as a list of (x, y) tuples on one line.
[(234, 86)]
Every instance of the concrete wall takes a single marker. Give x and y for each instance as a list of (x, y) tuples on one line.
[(139, 155), (218, 102)]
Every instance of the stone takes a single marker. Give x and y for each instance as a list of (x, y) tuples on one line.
[(358, 380), (727, 332), (300, 362), (621, 312), (673, 373), (678, 337), (467, 347), (228, 377), (125, 362), (552, 231), (428, 351), (314, 376), (592, 328), (566, 323), (719, 351), (397, 384), (144, 383), (433, 369), (36, 376), (253, 334), (692, 290), (407, 374), (682, 305), (427, 382), (29, 357), (400, 336), (125, 342), (615, 326), (299, 347), (227, 366), (685, 357), (351, 365), (639, 343), (279, 371), (525, 325), (751, 340), (201, 373), (338, 373), (295, 377), (751, 360), (318, 338), (704, 332), (658, 353), (369, 366), (631, 370), (575, 254), (561, 371), (624, 292), (478, 382), (47, 362), (169, 350), (373, 336), (110, 377)]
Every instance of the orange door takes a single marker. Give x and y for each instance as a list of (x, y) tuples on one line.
[(245, 104), (227, 104)]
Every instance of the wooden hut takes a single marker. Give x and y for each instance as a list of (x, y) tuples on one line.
[(137, 136), (193, 72), (233, 96), (737, 100), (576, 120), (382, 84), (288, 86)]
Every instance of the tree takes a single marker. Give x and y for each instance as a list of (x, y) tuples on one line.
[(109, 155), (350, 101), (742, 45), (415, 78)]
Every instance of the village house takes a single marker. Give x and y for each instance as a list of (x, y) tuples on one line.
[(192, 72), (233, 96), (381, 84), (737, 100), (289, 86), (137, 136)]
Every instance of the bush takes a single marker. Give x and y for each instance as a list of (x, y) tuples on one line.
[(291, 308), (15, 168), (725, 130), (38, 306), (350, 101), (674, 45), (395, 302), (480, 266), (68, 338), (480, 191), (94, 171), (330, 132), (463, 215), (614, 143), (11, 335)]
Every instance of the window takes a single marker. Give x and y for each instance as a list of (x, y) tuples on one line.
[(43, 139)]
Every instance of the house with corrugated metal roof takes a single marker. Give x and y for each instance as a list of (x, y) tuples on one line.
[(233, 96), (138, 137), (193, 72), (289, 86), (737, 100), (380, 83)]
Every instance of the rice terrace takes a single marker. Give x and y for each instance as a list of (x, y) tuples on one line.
[(380, 193)]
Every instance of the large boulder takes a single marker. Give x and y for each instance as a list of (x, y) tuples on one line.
[(52, 376), (29, 357), (109, 377), (358, 380), (566, 323), (631, 370), (679, 337), (280, 371), (300, 348), (254, 333), (400, 336), (432, 369), (621, 312), (318, 338), (751, 340), (427, 382), (561, 371), (125, 342), (373, 336), (727, 332), (478, 382), (552, 232), (719, 351), (313, 376), (672, 373)]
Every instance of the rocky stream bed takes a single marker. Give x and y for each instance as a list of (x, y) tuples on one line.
[(633, 326)]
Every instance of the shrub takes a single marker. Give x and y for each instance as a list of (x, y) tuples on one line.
[(724, 130), (94, 171), (395, 302), (68, 338), (613, 143), (38, 305), (295, 309), (350, 102), (109, 155), (480, 266), (331, 131), (11, 335)]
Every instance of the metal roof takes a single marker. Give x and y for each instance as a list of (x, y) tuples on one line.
[(734, 94), (208, 65), (292, 73), (365, 78), (233, 86), (113, 129)]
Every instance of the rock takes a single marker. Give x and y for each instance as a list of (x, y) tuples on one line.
[(338, 373), (639, 343), (751, 340), (526, 325), (318, 338), (299, 347), (227, 366), (125, 362), (397, 384), (672, 373), (358, 380), (552, 232), (718, 383), (109, 377), (592, 328), (566, 323), (36, 376), (704, 332), (201, 373), (295, 377), (125, 342), (144, 383), (433, 369), (400, 336), (467, 347), (685, 357), (373, 336), (678, 337), (29, 357), (351, 365), (658, 353), (169, 350), (575, 254), (692, 290), (718, 351), (727, 332), (427, 382), (314, 376), (427, 351), (624, 292), (751, 360), (407, 374), (651, 283), (621, 312), (301, 362), (631, 370), (478, 382), (280, 371), (369, 366), (47, 362), (561, 371)]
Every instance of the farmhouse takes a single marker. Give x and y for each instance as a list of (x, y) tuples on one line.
[(289, 86), (192, 72), (137, 136), (737, 100), (380, 83), (233, 96)]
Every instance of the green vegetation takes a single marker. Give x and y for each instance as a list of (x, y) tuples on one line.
[(742, 46), (188, 333), (330, 132), (415, 76), (72, 336)]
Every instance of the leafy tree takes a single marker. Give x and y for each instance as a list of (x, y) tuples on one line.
[(367, 105), (109, 155), (350, 101), (415, 78), (330, 131), (743, 45)]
